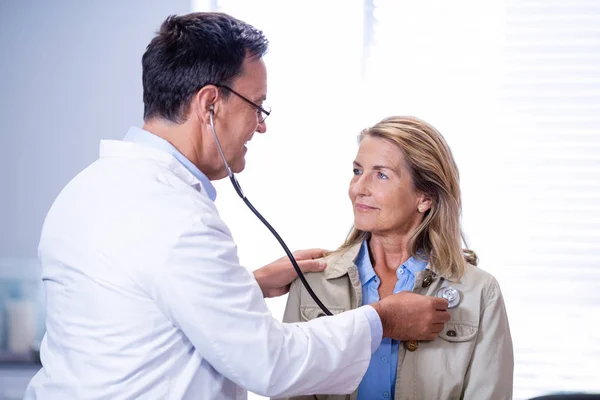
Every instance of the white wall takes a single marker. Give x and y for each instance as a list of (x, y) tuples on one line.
[(70, 75)]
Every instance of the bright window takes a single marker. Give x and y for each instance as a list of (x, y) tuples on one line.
[(514, 85)]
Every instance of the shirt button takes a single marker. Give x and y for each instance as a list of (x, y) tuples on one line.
[(401, 271), (384, 359), (386, 394)]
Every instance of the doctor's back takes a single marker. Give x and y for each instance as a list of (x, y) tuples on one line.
[(102, 249)]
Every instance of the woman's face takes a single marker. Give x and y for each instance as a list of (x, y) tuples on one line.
[(382, 192)]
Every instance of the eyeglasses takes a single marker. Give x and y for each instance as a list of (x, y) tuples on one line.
[(261, 112)]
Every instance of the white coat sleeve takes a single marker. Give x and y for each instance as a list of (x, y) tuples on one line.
[(219, 306)]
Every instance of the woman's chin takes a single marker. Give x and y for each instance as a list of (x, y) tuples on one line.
[(363, 225)]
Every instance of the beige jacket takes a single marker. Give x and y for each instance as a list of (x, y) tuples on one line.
[(471, 359)]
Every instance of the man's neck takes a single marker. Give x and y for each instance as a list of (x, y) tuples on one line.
[(187, 139)]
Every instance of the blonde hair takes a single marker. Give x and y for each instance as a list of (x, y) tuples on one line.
[(433, 170)]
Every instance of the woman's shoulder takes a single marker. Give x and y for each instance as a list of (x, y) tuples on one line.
[(478, 279), (477, 274), (341, 261), (333, 285)]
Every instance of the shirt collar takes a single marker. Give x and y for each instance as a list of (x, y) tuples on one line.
[(363, 263), (339, 262), (367, 273), (415, 265), (140, 136)]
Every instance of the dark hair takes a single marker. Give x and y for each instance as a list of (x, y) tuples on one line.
[(190, 52)]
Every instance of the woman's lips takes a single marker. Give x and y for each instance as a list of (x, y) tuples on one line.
[(364, 207)]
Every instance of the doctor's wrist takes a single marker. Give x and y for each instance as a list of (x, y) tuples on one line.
[(383, 317)]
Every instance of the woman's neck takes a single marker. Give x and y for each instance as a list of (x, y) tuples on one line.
[(388, 252)]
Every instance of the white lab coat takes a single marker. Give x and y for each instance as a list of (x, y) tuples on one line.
[(146, 298)]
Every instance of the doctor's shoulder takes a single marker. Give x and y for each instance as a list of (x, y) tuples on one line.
[(180, 201)]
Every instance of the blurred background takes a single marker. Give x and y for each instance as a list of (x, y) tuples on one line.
[(513, 85)]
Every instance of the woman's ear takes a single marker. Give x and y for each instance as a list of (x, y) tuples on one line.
[(424, 203)]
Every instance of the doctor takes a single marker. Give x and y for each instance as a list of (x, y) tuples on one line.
[(145, 295)]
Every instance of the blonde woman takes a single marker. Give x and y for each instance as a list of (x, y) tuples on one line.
[(407, 236)]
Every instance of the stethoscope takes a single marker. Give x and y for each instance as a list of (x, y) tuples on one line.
[(239, 191)]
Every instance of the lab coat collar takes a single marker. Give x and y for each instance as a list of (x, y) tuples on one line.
[(123, 149), (146, 138)]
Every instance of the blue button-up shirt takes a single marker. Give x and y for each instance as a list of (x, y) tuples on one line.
[(140, 136), (380, 380)]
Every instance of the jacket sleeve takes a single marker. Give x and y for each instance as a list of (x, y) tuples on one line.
[(292, 314), (490, 373), (292, 307), (219, 307)]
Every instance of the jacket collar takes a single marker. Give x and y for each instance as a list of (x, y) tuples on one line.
[(338, 264)]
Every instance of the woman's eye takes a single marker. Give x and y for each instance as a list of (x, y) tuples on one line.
[(356, 171), (381, 175)]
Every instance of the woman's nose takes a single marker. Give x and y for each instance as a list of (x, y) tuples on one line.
[(360, 187)]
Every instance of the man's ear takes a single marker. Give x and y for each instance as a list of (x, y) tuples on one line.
[(206, 101)]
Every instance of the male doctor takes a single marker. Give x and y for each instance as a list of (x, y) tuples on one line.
[(145, 296)]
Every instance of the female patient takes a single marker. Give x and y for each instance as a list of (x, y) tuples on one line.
[(407, 236)]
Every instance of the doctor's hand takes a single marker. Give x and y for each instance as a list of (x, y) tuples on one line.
[(411, 316), (275, 278)]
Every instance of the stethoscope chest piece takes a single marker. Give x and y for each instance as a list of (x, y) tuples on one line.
[(450, 294)]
